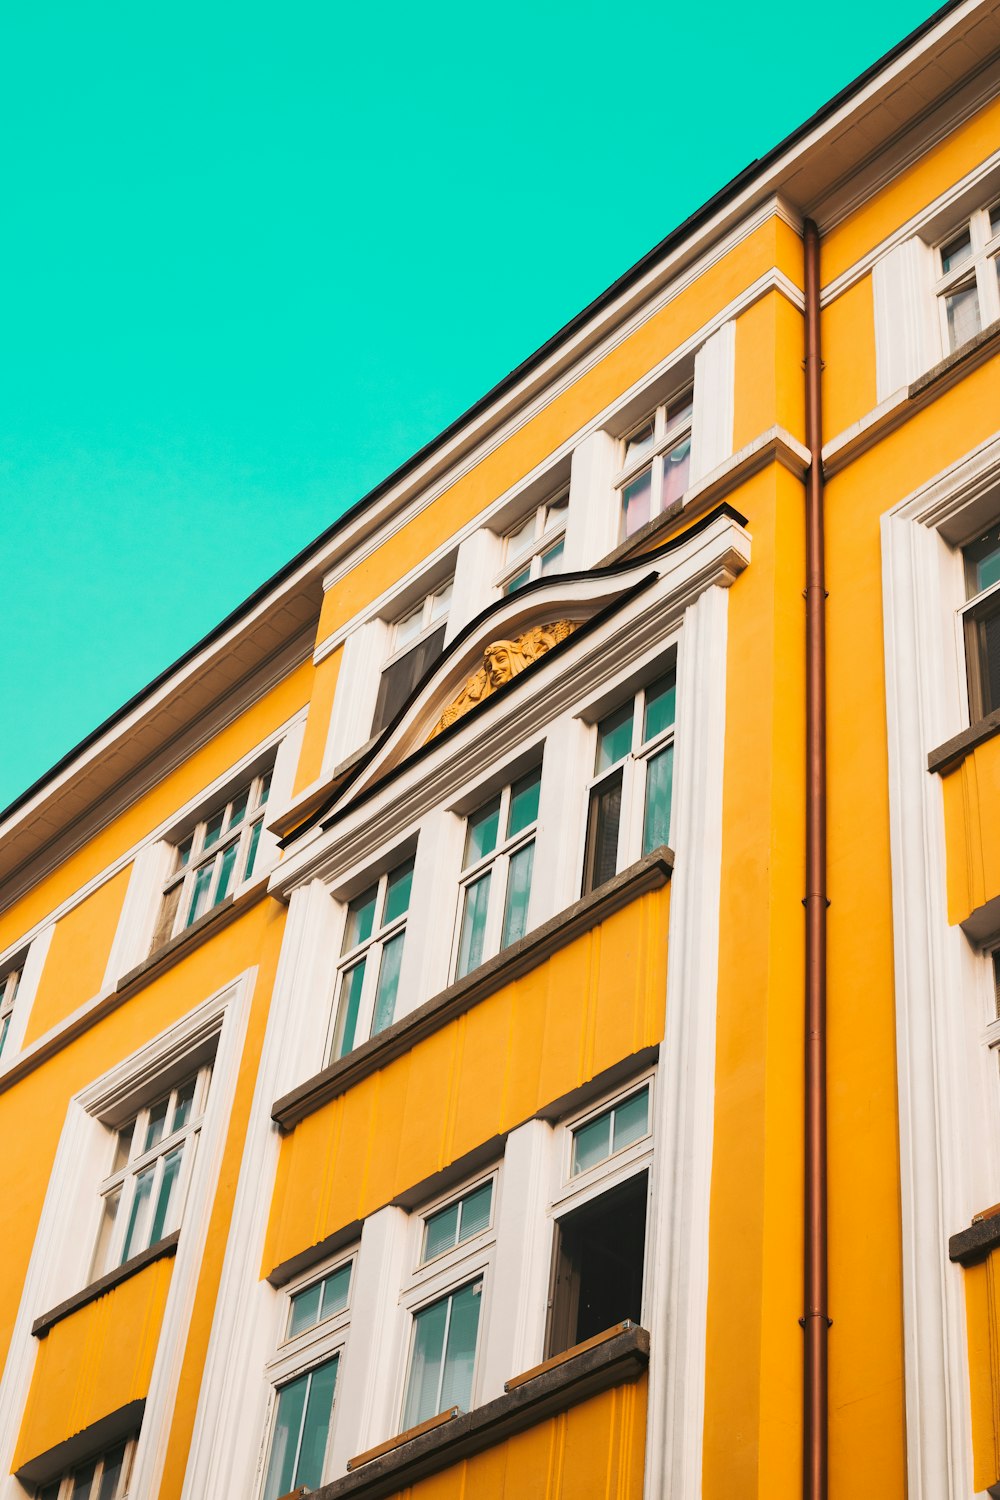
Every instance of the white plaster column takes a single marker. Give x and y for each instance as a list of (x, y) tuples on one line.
[(714, 402), (592, 522), (907, 339), (477, 564), (365, 650), (562, 810)]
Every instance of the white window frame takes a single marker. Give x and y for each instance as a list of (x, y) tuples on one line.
[(467, 1262), (109, 1248), (369, 952), (10, 981), (65, 1481), (498, 862), (979, 270), (634, 767), (669, 433), (307, 1351), (549, 520), (245, 835), (432, 616)]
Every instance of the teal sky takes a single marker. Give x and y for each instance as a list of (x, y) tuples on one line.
[(253, 257)]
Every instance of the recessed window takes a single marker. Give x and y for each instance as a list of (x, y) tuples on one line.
[(372, 957), (443, 1354), (969, 265), (8, 994), (535, 547), (216, 857), (611, 1131), (630, 794), (497, 867), (103, 1478), (599, 1264), (457, 1222), (417, 639), (656, 464), (320, 1301), (142, 1198), (301, 1430), (981, 617)]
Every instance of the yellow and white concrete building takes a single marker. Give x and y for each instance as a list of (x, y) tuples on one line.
[(403, 998)]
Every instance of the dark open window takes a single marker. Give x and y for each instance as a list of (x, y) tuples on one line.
[(598, 1265), (982, 624), (401, 677)]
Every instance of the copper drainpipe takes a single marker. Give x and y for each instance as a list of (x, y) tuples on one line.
[(816, 1321)]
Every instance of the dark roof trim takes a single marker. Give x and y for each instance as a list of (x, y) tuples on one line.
[(670, 241)]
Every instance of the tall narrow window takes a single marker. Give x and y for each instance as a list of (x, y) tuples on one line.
[(102, 1478), (371, 960), (217, 856), (535, 547), (982, 623), (417, 641), (599, 1265), (497, 867), (969, 285), (443, 1354), (142, 1198), (630, 795), (656, 464), (301, 1431), (8, 994)]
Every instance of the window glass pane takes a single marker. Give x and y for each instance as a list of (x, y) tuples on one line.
[(523, 802), (409, 627), (552, 556), (4, 1028), (441, 1231), (656, 817), (636, 502), (515, 917), (601, 861), (252, 848), (397, 895), (441, 601), (182, 1104), (989, 661), (388, 983), (676, 469), (199, 893), (660, 706), (336, 1288), (114, 1462), (592, 1143), (460, 1355), (614, 738), (956, 252), (350, 1001), (555, 511), (123, 1147), (520, 540), (316, 1428), (305, 1310), (399, 679), (135, 1237), (264, 790), (50, 1492), (83, 1479), (213, 828), (183, 853), (640, 442), (631, 1120), (983, 562), (424, 1384), (962, 309), (163, 1220), (518, 581), (476, 905), (109, 1215), (238, 808), (227, 866), (156, 1124), (360, 919), (476, 1208), (481, 832), (285, 1439), (680, 410)]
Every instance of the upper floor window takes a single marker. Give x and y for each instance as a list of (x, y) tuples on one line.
[(535, 547), (968, 288), (629, 805), (142, 1197), (103, 1478), (417, 642), (8, 994), (371, 959), (982, 623), (216, 857), (656, 464), (496, 878), (304, 1379)]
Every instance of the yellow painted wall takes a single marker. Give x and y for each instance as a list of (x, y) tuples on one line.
[(78, 955), (971, 795), (95, 1361), (594, 1451), (982, 1308), (769, 388), (849, 358), (318, 721), (594, 1002)]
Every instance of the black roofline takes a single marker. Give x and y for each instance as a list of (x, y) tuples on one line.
[(694, 221)]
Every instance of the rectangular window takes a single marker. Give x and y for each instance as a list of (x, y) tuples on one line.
[(656, 465), (968, 288), (630, 794), (535, 547), (142, 1199), (301, 1431), (981, 616), (417, 642), (496, 878), (457, 1222), (321, 1300), (103, 1478), (598, 1265), (216, 857), (611, 1131), (443, 1354), (371, 960), (8, 994)]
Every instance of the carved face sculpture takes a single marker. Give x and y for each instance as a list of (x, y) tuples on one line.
[(498, 659)]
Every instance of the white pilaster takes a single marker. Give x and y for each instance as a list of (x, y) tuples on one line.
[(477, 564), (31, 973), (592, 522), (357, 691), (152, 865), (907, 338), (714, 401), (561, 815), (431, 919)]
